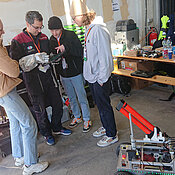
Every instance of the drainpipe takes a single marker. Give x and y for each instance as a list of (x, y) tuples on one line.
[(146, 41)]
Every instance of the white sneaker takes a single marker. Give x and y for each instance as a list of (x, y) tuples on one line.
[(106, 141), (19, 161), (35, 168), (100, 132)]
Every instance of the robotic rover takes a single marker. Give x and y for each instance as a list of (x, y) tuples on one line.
[(154, 154)]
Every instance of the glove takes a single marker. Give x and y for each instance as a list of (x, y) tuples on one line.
[(42, 58), (28, 63)]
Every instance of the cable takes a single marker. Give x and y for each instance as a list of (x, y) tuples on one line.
[(146, 35), (1, 166)]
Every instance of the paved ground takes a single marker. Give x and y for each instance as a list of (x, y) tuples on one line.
[(78, 154)]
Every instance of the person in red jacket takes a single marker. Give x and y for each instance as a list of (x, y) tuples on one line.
[(40, 83), (23, 128)]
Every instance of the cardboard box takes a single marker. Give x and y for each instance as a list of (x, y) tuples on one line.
[(134, 65), (140, 84)]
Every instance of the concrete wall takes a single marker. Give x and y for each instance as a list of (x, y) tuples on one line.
[(12, 13)]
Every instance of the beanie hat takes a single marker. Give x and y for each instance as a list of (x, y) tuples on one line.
[(78, 8), (54, 23)]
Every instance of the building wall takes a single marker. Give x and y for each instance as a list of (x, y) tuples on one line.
[(12, 13)]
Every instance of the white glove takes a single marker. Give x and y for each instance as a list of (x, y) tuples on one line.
[(28, 63), (42, 58)]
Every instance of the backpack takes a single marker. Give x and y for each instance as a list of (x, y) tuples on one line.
[(120, 84)]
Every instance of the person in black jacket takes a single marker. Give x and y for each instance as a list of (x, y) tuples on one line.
[(39, 81), (70, 70)]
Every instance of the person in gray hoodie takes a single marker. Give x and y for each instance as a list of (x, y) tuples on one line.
[(97, 69)]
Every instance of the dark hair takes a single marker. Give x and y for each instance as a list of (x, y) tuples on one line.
[(55, 23), (33, 15)]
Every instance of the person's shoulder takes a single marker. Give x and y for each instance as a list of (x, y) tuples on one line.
[(21, 37), (96, 28), (100, 27), (53, 39), (43, 37), (69, 32)]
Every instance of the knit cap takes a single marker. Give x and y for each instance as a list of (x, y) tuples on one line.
[(54, 23)]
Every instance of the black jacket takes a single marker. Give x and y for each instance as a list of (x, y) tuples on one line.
[(73, 53), (22, 45)]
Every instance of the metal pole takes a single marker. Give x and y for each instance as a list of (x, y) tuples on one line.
[(132, 134)]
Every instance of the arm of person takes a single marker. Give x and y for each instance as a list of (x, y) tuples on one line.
[(60, 48), (8, 66), (16, 51), (53, 44), (104, 55), (73, 45)]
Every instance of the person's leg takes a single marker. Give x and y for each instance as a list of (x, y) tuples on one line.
[(70, 91), (55, 101), (78, 85), (38, 104), (16, 108), (15, 133), (16, 136), (101, 97)]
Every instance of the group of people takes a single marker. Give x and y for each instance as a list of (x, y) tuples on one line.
[(30, 50)]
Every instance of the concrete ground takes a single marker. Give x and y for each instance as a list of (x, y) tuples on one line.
[(78, 154)]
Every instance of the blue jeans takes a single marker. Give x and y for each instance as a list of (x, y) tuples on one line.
[(102, 100), (23, 128), (74, 88)]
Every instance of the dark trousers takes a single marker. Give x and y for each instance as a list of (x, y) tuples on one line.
[(49, 97), (102, 100)]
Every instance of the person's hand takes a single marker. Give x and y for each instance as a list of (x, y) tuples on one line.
[(42, 58), (60, 48)]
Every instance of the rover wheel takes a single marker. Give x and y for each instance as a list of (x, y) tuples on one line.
[(123, 173)]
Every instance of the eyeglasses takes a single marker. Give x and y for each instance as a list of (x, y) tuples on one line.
[(37, 28), (73, 18)]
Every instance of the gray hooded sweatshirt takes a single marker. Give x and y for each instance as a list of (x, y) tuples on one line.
[(99, 63)]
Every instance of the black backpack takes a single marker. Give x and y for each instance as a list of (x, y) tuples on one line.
[(120, 84)]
